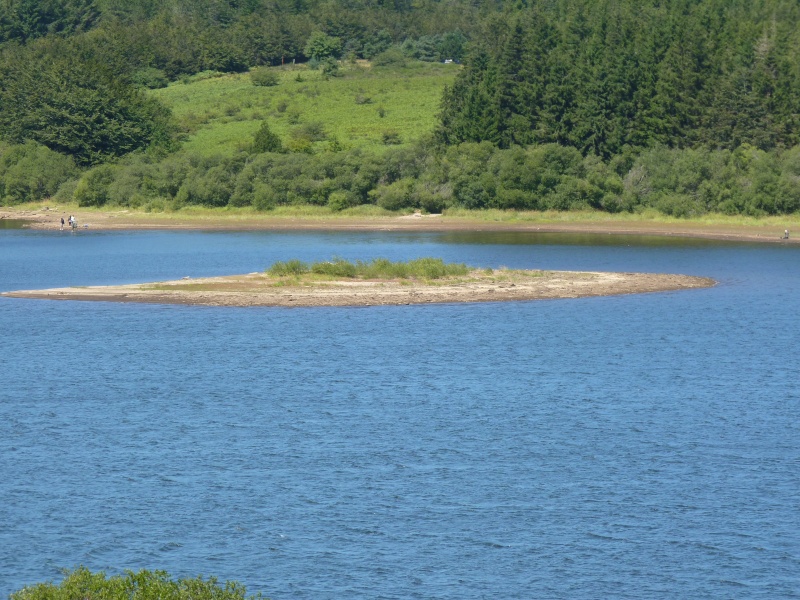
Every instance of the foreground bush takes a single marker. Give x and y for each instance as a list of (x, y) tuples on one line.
[(82, 584)]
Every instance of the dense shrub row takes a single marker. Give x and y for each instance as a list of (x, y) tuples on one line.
[(685, 182), (30, 172)]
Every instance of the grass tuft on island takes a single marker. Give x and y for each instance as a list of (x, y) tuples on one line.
[(377, 282), (377, 268)]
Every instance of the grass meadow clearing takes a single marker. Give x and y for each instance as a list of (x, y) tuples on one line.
[(363, 107)]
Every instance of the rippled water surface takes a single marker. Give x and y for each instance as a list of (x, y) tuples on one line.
[(624, 447)]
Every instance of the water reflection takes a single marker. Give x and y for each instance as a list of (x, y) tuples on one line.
[(526, 238), (12, 223)]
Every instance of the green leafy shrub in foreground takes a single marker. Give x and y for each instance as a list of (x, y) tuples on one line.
[(144, 585), (377, 268)]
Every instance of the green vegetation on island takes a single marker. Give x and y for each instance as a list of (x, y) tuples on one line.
[(377, 268), (81, 583), (685, 107)]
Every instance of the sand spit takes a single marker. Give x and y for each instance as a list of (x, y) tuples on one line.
[(259, 289)]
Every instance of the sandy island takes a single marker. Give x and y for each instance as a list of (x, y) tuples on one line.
[(261, 289)]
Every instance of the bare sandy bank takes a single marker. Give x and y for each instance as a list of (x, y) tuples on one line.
[(260, 289), (49, 219)]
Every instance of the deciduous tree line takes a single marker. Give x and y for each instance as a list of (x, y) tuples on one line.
[(680, 182)]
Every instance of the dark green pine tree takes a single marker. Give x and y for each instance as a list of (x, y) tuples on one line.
[(23, 20), (589, 113), (266, 140), (542, 42), (564, 64), (606, 76), (649, 46), (466, 114), (512, 118), (622, 82), (674, 113), (739, 114)]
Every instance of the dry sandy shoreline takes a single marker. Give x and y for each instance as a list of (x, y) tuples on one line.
[(49, 219), (260, 289)]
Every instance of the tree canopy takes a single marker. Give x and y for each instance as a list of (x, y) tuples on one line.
[(23, 20), (61, 95), (684, 106), (605, 75)]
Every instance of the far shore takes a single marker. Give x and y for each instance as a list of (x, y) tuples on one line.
[(763, 230), (262, 289)]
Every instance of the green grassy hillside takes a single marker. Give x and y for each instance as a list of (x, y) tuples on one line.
[(364, 107)]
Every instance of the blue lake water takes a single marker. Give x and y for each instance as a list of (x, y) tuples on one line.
[(640, 446)]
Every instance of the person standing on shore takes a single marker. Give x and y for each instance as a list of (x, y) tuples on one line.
[(62, 223)]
